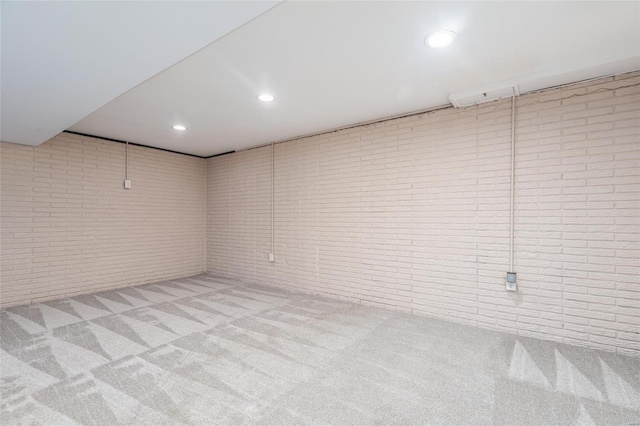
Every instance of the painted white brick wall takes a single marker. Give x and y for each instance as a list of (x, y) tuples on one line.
[(413, 214), (67, 226), (578, 213), (409, 214)]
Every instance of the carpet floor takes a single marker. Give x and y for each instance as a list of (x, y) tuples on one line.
[(205, 350)]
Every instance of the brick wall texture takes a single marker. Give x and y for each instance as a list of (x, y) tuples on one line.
[(413, 214), (68, 226), (409, 214)]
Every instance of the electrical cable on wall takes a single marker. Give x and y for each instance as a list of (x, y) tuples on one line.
[(272, 254), (127, 182), (511, 275)]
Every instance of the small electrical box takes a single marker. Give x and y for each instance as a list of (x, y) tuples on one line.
[(272, 257), (127, 184), (511, 281)]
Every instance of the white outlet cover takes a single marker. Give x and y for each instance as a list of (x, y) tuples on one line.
[(127, 184)]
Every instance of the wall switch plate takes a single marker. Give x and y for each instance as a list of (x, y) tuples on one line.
[(272, 257), (127, 184)]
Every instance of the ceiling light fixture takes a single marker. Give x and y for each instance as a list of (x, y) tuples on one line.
[(265, 97), (440, 39), (179, 127)]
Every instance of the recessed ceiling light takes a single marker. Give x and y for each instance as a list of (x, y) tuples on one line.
[(179, 127), (265, 97), (440, 39)]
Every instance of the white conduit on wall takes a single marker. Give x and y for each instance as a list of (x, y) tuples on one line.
[(511, 275), (127, 183), (272, 254), (126, 165), (513, 171)]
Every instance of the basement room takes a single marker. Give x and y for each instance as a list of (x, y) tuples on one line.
[(319, 213)]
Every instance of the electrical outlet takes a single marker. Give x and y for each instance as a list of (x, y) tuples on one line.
[(272, 257), (127, 184)]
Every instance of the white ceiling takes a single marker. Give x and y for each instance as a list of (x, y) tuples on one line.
[(61, 61), (331, 64)]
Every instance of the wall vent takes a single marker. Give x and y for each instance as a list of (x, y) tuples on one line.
[(483, 94)]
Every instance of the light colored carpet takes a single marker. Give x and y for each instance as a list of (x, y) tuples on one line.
[(205, 350)]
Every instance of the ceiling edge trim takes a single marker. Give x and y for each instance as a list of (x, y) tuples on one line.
[(132, 143)]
